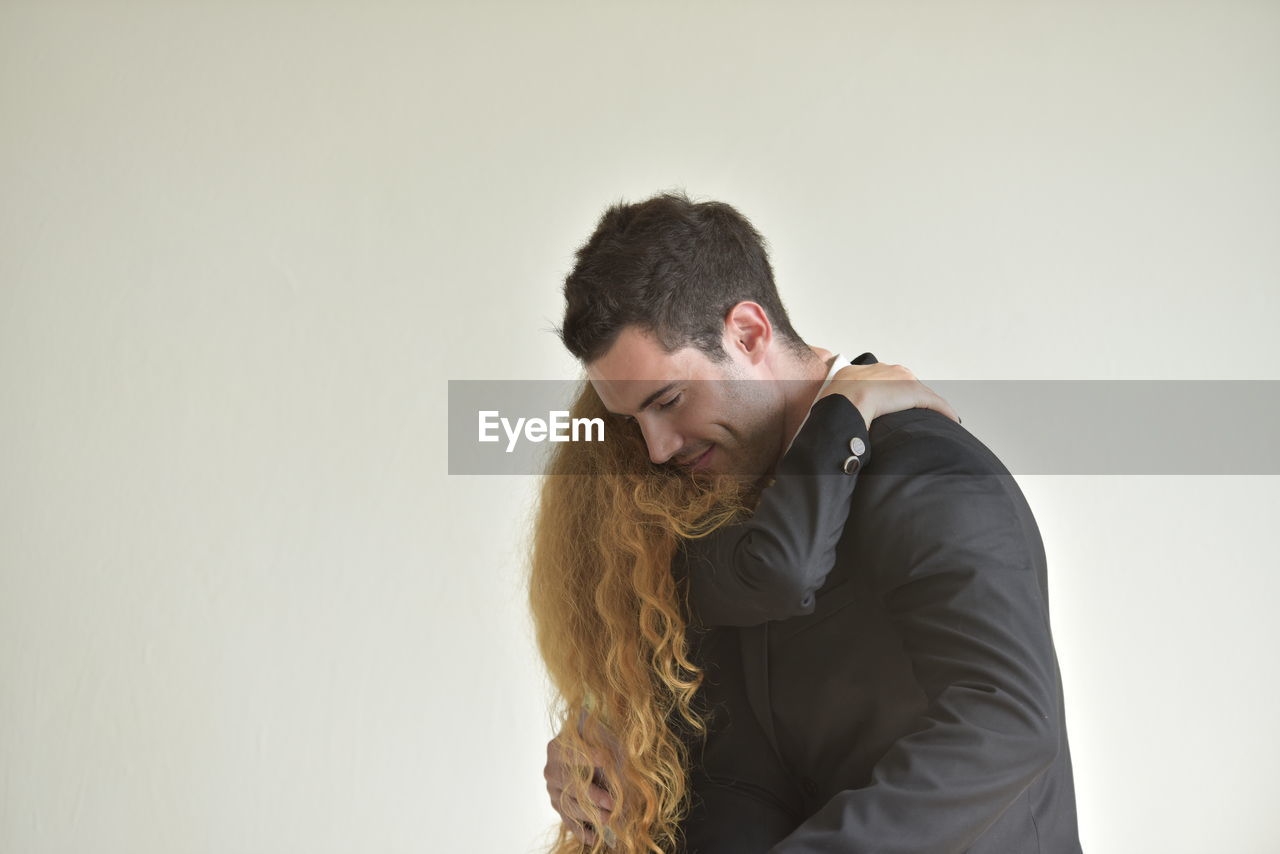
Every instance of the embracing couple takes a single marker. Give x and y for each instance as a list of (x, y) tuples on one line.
[(790, 604)]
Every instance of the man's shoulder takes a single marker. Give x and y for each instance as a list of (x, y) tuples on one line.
[(932, 485), (926, 442)]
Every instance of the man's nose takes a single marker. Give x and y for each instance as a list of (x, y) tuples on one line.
[(662, 443)]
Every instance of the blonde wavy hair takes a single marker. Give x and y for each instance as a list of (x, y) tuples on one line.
[(610, 622)]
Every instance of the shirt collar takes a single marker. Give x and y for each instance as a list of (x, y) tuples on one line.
[(837, 363)]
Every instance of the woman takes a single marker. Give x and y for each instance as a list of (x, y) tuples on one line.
[(613, 541)]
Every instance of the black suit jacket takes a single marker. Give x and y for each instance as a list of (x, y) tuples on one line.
[(881, 675)]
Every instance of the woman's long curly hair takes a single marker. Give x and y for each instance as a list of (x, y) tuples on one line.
[(609, 618)]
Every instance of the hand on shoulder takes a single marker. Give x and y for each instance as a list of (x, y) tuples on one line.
[(880, 388)]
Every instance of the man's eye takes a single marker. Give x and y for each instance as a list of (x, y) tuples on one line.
[(672, 402)]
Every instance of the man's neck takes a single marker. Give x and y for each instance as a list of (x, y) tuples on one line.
[(803, 379)]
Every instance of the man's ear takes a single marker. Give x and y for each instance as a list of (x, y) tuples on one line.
[(747, 330)]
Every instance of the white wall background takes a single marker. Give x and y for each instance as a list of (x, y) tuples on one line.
[(243, 246)]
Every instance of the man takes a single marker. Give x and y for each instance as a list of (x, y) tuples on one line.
[(889, 686)]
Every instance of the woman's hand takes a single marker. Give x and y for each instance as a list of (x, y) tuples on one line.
[(879, 389), (582, 820)]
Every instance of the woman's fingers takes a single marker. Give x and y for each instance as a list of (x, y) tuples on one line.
[(582, 831), (558, 774), (601, 798), (881, 388), (938, 403), (580, 818), (570, 807)]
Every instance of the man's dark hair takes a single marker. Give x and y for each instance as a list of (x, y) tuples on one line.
[(674, 268)]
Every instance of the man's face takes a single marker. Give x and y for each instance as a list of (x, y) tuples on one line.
[(717, 418)]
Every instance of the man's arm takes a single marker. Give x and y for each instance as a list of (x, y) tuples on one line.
[(960, 579), (768, 567)]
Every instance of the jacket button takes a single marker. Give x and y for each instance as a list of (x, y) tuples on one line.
[(851, 465), (810, 788), (857, 446)]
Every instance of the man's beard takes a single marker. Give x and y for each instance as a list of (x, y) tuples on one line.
[(756, 454)]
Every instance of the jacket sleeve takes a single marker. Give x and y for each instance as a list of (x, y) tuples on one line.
[(768, 567), (961, 573)]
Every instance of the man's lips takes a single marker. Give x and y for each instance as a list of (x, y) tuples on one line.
[(699, 462)]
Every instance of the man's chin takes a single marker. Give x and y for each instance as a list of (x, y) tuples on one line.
[(725, 479), (724, 469)]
